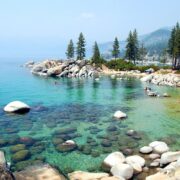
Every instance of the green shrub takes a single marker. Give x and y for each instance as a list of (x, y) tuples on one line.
[(144, 68), (178, 72), (120, 64)]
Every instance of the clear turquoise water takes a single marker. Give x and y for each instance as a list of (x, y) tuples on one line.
[(82, 104)]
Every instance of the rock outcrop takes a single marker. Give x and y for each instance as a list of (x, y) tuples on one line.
[(169, 79), (39, 172), (58, 68)]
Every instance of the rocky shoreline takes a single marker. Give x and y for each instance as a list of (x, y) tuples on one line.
[(169, 79), (58, 68), (82, 68), (154, 161)]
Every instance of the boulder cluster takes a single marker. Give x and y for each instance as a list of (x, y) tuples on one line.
[(58, 68), (155, 156), (152, 93), (163, 79)]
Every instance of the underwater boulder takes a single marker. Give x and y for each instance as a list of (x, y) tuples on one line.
[(20, 155), (17, 148), (67, 146), (28, 141), (119, 115)]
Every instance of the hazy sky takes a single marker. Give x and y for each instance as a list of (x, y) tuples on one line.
[(46, 25)]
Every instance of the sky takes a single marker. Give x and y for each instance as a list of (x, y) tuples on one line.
[(42, 28)]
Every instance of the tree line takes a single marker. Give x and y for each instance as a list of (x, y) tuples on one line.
[(134, 50)]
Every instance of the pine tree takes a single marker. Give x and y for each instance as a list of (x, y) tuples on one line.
[(81, 50), (116, 51), (132, 47), (136, 45), (96, 58), (174, 46), (70, 50), (142, 52), (129, 47)]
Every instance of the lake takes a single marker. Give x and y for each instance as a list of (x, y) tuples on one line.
[(81, 110)]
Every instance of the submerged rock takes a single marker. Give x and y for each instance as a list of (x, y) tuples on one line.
[(17, 107), (17, 147), (166, 95), (65, 130), (131, 132), (119, 115), (20, 155), (67, 146)]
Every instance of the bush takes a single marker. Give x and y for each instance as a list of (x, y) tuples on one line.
[(120, 64), (144, 68)]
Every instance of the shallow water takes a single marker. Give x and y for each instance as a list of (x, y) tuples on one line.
[(86, 106)]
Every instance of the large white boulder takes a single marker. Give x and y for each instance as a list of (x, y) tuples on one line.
[(122, 171), (16, 107), (147, 78), (146, 150), (169, 157), (81, 175), (113, 159), (159, 147), (119, 115), (54, 71), (39, 172), (137, 162)]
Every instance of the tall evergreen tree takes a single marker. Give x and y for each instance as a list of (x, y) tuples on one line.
[(116, 51), (70, 50), (132, 47), (174, 46), (81, 50), (136, 45), (96, 58), (129, 47), (142, 52)]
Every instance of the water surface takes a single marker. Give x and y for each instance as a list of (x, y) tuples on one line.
[(87, 107)]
